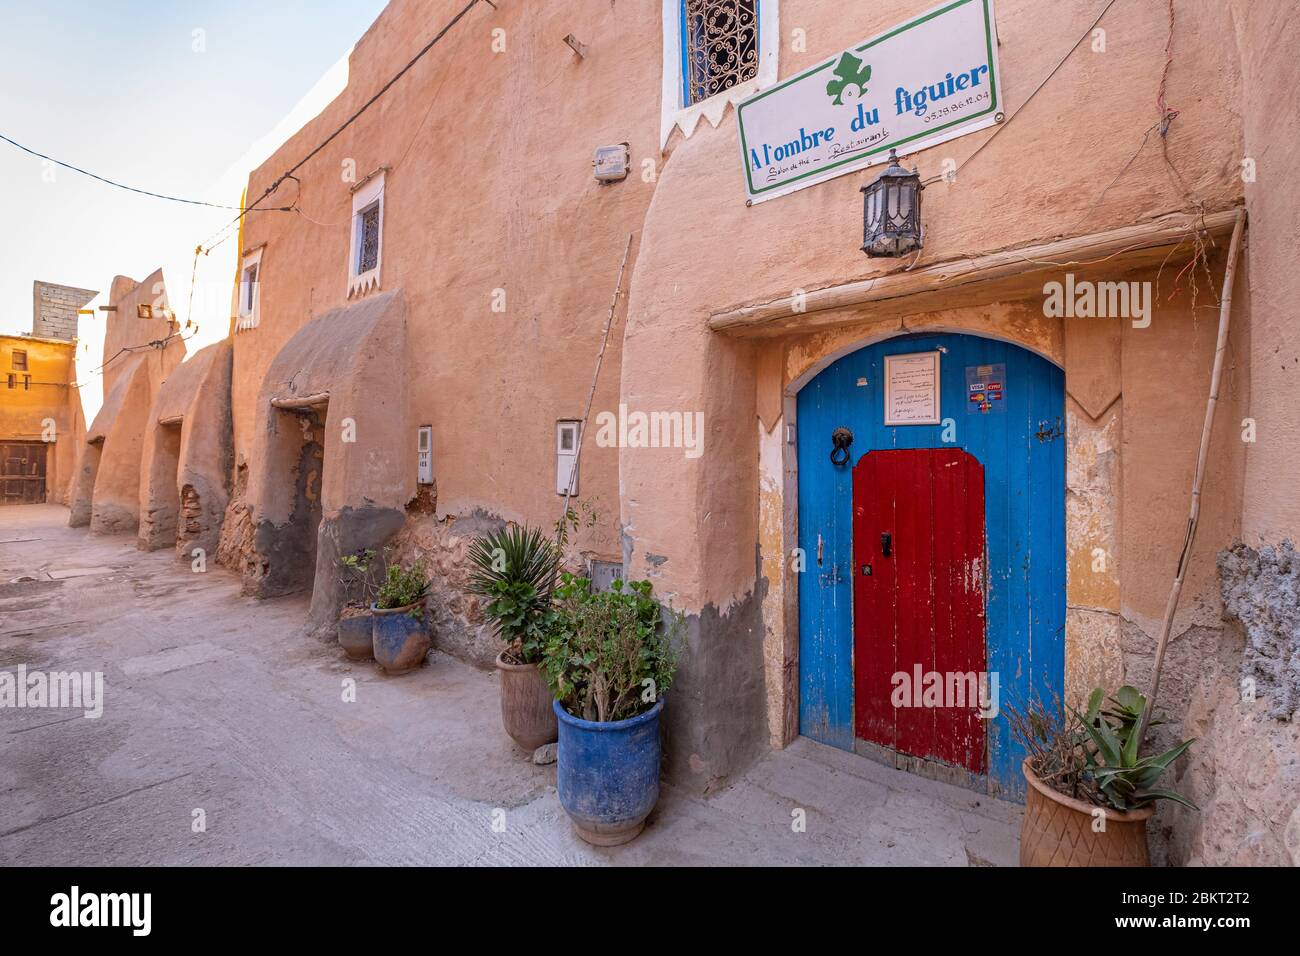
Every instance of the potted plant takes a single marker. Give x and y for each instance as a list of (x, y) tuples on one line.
[(609, 658), (355, 629), (515, 570), (1090, 793), (400, 635)]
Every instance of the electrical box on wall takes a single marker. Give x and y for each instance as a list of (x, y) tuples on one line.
[(611, 163), (603, 574), (424, 454), (566, 457)]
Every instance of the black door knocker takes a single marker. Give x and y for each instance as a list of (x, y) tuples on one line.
[(841, 438)]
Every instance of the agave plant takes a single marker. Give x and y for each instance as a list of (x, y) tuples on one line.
[(515, 569), (1110, 751)]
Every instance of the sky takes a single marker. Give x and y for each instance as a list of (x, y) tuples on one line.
[(181, 97)]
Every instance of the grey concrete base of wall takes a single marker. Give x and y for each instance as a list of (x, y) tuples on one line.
[(350, 531), (715, 715)]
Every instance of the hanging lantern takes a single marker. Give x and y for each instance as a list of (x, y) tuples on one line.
[(892, 211)]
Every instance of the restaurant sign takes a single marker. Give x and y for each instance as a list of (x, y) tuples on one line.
[(913, 86)]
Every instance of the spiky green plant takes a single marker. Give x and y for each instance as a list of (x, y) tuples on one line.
[(1127, 780), (515, 569)]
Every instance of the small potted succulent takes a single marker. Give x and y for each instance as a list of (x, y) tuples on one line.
[(355, 629), (400, 636), (515, 569), (609, 658), (1090, 792)]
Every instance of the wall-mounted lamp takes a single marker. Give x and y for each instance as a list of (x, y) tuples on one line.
[(892, 211)]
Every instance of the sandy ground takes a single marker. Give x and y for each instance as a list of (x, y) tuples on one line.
[(213, 702)]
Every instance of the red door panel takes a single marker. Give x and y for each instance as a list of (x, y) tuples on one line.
[(921, 605)]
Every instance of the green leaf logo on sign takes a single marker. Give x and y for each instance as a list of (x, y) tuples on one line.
[(852, 82)]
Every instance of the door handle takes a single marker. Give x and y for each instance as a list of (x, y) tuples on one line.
[(886, 540)]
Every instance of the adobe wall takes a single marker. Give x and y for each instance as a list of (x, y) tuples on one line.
[(185, 483), (106, 492), (489, 187), (1245, 708), (707, 531)]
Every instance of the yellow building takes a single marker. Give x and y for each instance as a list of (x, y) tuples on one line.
[(41, 422)]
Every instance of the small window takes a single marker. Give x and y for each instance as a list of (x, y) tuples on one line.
[(27, 382), (719, 46), (369, 255), (566, 457), (715, 52), (13, 380), (366, 253), (249, 291), (20, 359)]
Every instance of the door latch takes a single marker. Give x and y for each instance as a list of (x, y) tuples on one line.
[(886, 540)]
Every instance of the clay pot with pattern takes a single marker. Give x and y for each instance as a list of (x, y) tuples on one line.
[(1059, 831), (526, 710)]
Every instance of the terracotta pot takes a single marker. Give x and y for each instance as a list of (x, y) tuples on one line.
[(1058, 831), (356, 637), (400, 641), (526, 710)]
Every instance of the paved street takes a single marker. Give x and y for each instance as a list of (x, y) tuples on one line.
[(214, 702)]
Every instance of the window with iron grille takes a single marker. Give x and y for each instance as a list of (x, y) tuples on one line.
[(720, 46), (368, 254), (19, 360)]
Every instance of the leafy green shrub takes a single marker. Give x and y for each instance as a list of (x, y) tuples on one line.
[(1094, 756), (515, 568), (609, 655), (358, 577), (403, 586)]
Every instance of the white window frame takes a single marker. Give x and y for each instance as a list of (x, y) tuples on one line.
[(249, 319), (367, 193), (566, 460), (674, 113)]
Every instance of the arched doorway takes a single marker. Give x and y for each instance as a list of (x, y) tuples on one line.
[(935, 550)]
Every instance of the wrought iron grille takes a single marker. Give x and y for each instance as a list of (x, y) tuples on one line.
[(721, 39), (369, 257)]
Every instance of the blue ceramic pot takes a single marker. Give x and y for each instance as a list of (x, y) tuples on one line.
[(608, 774), (357, 637), (400, 642)]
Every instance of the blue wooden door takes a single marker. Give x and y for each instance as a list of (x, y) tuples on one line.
[(1005, 407)]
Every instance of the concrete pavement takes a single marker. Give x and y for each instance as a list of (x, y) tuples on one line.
[(214, 703)]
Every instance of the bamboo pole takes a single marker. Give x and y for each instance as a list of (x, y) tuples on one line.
[(1211, 404), (591, 394)]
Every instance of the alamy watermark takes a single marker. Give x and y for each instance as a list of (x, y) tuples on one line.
[(626, 429), (57, 689), (1083, 299), (946, 689)]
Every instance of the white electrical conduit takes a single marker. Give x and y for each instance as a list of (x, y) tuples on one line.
[(1211, 404)]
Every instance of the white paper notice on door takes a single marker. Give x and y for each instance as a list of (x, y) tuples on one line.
[(912, 389)]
